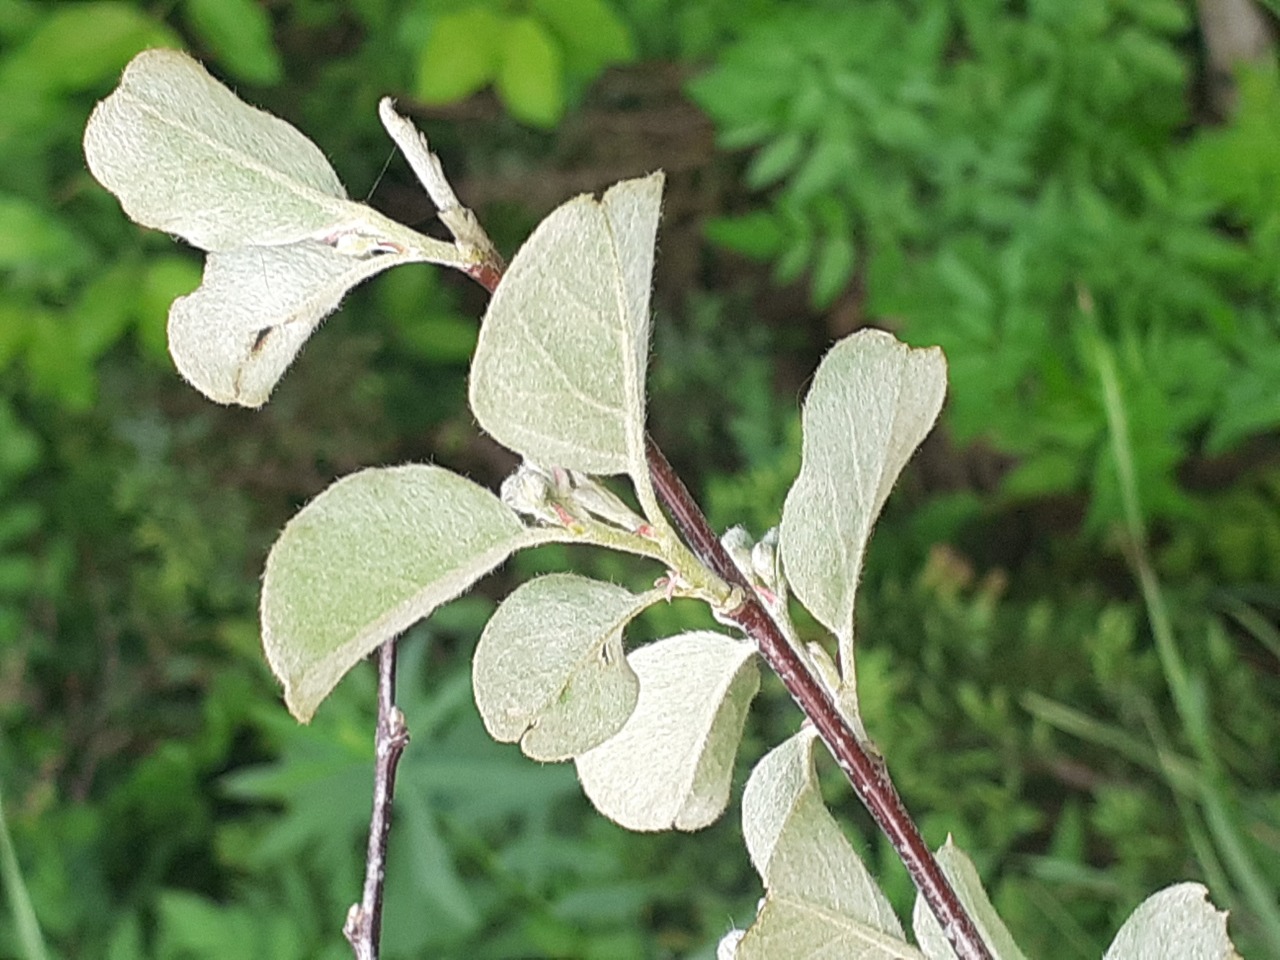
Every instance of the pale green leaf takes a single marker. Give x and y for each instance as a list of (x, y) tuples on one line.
[(550, 670), (968, 886), (671, 764), (235, 335), (797, 929), (1178, 923), (872, 401), (184, 154), (798, 848), (238, 33), (591, 33), (367, 558), (530, 77), (558, 374), (460, 56)]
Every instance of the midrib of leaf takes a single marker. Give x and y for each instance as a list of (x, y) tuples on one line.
[(853, 929), (554, 361), (245, 161)]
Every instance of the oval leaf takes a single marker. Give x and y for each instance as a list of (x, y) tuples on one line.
[(671, 765), (1178, 923), (184, 154), (968, 886), (530, 77), (558, 374), (236, 334), (872, 401), (799, 850), (367, 558), (550, 670)]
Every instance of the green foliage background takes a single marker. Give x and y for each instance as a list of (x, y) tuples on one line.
[(1069, 616)]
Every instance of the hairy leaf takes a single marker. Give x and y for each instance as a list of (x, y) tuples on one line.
[(872, 401), (798, 929), (558, 374), (968, 886), (800, 852), (185, 155), (371, 555), (1178, 923), (670, 766), (235, 335), (550, 670)]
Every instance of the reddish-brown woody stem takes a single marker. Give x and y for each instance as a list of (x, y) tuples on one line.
[(870, 777)]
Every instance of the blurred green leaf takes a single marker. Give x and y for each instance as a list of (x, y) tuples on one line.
[(82, 46), (591, 34), (461, 55), (531, 74), (238, 34)]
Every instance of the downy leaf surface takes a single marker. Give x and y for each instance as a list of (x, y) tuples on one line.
[(185, 155), (807, 865), (550, 670), (671, 764), (872, 401), (369, 557), (558, 374), (963, 875), (1178, 923)]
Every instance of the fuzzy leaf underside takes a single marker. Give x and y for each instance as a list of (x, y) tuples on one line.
[(558, 373), (671, 764), (369, 557), (550, 670), (186, 155), (798, 848), (236, 334), (1177, 923), (968, 886), (872, 401)]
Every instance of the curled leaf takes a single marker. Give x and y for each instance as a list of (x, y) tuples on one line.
[(236, 334), (369, 557), (671, 764), (558, 374), (550, 670), (872, 401)]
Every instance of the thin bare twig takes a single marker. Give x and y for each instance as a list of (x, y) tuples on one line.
[(363, 928)]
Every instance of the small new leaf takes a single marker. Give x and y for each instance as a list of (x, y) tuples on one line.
[(1178, 923), (550, 671), (671, 764), (872, 401), (968, 886), (558, 374), (803, 857), (369, 557), (185, 155)]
